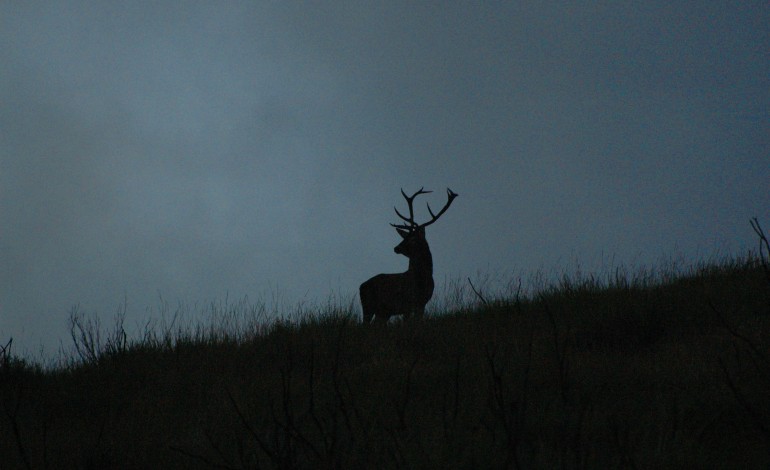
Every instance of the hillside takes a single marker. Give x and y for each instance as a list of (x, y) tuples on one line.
[(633, 371)]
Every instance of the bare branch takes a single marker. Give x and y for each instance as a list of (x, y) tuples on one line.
[(478, 294), (199, 458), (5, 354), (12, 415), (758, 419), (764, 246)]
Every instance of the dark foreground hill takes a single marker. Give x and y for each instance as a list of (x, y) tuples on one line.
[(647, 372)]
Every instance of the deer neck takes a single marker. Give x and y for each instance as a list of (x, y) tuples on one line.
[(421, 266)]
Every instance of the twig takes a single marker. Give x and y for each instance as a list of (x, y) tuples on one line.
[(12, 417), (756, 356), (478, 293), (755, 416), (341, 403), (199, 458), (511, 414), (757, 353), (764, 246), (455, 402), (560, 350), (403, 402), (5, 355), (262, 444)]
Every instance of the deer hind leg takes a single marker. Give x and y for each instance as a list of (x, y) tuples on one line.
[(367, 312), (369, 308), (419, 312)]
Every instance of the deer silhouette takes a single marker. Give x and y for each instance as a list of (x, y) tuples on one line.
[(406, 293)]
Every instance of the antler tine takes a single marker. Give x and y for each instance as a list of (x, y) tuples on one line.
[(409, 200), (451, 195)]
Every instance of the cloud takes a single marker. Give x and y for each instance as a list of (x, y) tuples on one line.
[(207, 150)]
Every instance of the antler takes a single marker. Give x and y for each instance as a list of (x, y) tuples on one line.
[(434, 217), (412, 224), (450, 197)]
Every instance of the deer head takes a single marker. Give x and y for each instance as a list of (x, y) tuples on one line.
[(404, 293)]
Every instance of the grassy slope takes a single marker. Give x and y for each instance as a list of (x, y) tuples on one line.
[(642, 373)]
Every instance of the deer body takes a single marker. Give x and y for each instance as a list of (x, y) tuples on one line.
[(406, 293)]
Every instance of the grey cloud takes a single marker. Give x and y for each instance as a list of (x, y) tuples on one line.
[(211, 149)]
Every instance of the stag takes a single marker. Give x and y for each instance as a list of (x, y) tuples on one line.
[(406, 293)]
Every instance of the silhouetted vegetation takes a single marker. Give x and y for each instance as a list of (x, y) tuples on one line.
[(666, 368)]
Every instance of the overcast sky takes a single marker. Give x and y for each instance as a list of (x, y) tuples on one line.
[(207, 150)]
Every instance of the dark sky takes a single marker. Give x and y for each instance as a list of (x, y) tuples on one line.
[(198, 151)]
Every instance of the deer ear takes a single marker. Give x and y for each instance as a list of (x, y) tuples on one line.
[(404, 233)]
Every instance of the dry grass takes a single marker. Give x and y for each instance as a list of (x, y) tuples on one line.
[(664, 369)]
